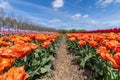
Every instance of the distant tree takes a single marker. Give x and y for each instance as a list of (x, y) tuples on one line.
[(2, 14), (63, 31), (21, 23), (12, 21), (8, 22)]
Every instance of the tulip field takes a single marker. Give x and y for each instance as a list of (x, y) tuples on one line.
[(99, 52), (31, 55), (26, 56)]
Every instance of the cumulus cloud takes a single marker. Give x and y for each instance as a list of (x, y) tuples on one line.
[(76, 16), (58, 4), (55, 21), (86, 16), (5, 4)]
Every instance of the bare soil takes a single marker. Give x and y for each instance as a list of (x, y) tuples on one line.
[(64, 69)]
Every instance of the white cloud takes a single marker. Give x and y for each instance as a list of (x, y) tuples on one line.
[(55, 21), (86, 16), (5, 4), (93, 22), (105, 3), (58, 4), (76, 16)]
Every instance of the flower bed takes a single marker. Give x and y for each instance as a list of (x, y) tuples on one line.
[(34, 51), (98, 52)]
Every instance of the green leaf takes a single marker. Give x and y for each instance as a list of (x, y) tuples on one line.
[(84, 60), (44, 61), (46, 69), (51, 58)]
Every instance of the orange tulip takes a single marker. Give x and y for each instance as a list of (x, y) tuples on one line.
[(104, 53), (16, 51), (27, 39), (117, 48), (106, 56), (33, 46), (111, 44), (21, 50), (8, 52), (93, 43), (15, 73), (111, 36), (45, 44), (72, 39), (3, 43), (102, 49), (53, 40), (81, 43), (6, 63), (114, 63), (117, 58)]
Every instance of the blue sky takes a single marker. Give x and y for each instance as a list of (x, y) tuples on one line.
[(66, 14)]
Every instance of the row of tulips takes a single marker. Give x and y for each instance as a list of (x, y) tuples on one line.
[(34, 51), (105, 30), (100, 52)]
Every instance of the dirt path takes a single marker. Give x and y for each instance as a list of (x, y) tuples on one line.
[(64, 70)]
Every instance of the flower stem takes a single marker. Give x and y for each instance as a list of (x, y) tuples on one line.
[(118, 74)]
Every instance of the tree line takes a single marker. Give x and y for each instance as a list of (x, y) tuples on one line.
[(11, 22), (64, 31)]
